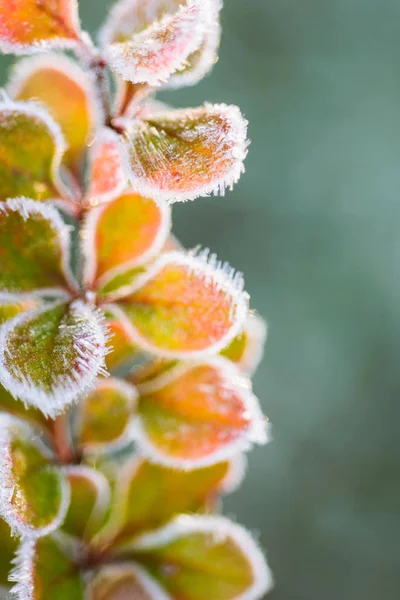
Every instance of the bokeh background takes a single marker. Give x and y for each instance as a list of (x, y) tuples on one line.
[(314, 224)]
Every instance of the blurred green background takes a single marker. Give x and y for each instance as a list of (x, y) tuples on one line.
[(314, 226)]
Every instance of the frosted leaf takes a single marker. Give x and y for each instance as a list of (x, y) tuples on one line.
[(120, 237), (187, 153), (71, 342), (107, 174), (123, 581), (31, 149), (34, 495), (43, 266), (154, 54), (69, 94), (36, 25), (184, 307), (247, 349), (229, 564), (222, 418), (130, 17)]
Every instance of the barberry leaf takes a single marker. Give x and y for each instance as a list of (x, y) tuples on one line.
[(221, 419), (36, 25), (183, 154), (184, 307), (90, 499), (43, 571), (131, 17), (52, 355), (155, 53), (121, 236), (149, 495), (12, 307), (31, 150), (247, 349), (125, 581), (217, 559), (105, 415), (107, 178), (43, 265), (67, 91), (120, 346), (34, 495)]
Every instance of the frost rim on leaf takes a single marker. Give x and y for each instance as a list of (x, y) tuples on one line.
[(63, 393), (7, 484), (220, 528), (84, 78), (237, 135), (258, 432), (27, 207), (152, 588), (23, 572), (220, 274), (39, 112)]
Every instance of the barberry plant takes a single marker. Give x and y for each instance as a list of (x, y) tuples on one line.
[(126, 405)]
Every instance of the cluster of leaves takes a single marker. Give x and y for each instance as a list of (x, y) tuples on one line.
[(112, 484)]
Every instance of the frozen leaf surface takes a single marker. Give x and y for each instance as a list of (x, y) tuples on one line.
[(107, 178), (37, 24), (34, 249), (184, 307), (67, 91), (183, 154), (163, 48), (51, 355), (31, 149), (247, 348), (123, 582), (198, 414), (34, 495)]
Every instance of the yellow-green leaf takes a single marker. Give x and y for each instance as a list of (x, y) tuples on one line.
[(127, 581), (31, 150), (247, 349)]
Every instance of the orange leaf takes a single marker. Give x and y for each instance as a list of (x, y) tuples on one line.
[(196, 415), (38, 24), (183, 306)]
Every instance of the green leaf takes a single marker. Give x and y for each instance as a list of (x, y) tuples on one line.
[(8, 545), (15, 407), (31, 149), (90, 499), (51, 355), (105, 415), (34, 495), (149, 495), (247, 349), (43, 265), (45, 572), (198, 558)]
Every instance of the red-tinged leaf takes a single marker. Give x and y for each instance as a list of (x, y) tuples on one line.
[(51, 355), (66, 90), (36, 25), (121, 350), (31, 150), (217, 559), (157, 52), (126, 581), (43, 266), (194, 415), (105, 415), (90, 500), (149, 495), (127, 18), (122, 236), (247, 349), (34, 495), (183, 154), (107, 178), (184, 307), (43, 571)]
